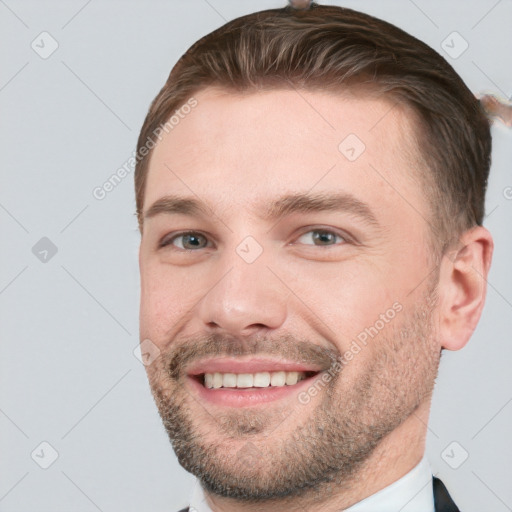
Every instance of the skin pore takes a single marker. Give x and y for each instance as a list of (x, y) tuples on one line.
[(324, 271)]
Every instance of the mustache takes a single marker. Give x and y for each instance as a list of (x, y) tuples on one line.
[(194, 348)]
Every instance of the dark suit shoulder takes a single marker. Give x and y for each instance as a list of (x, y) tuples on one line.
[(183, 510), (442, 499)]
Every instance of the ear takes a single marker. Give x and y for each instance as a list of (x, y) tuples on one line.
[(462, 287)]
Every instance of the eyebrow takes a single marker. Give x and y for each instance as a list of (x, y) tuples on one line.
[(176, 205), (320, 202), (277, 209)]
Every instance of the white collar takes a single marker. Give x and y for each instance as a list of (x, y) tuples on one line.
[(411, 493)]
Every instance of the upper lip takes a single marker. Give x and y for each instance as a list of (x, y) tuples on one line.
[(253, 365)]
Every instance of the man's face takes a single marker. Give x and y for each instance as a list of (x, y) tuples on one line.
[(264, 282)]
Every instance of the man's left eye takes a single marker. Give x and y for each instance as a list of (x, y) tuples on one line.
[(321, 237)]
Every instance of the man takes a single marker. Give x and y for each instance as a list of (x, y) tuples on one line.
[(310, 197)]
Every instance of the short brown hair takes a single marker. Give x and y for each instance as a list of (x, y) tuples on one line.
[(328, 47)]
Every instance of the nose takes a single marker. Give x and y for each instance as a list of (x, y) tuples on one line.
[(245, 298)]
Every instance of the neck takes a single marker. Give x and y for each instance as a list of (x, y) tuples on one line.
[(397, 454)]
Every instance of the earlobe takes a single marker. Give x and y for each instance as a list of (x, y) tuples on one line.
[(463, 286)]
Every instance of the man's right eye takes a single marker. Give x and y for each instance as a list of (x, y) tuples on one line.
[(185, 241)]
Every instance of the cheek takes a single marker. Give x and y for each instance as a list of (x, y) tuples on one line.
[(168, 297), (348, 298), (161, 303)]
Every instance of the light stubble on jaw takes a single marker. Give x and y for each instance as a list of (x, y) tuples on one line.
[(327, 446)]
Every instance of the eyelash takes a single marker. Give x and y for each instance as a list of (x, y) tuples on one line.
[(166, 242)]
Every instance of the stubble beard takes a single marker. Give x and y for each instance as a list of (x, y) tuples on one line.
[(274, 453)]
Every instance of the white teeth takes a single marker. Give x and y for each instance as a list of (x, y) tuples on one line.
[(252, 380), (217, 380), (291, 378), (278, 379), (261, 380), (244, 380), (229, 380)]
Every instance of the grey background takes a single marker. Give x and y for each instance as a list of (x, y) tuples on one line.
[(69, 325)]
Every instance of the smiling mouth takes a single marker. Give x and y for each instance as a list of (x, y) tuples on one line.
[(256, 380)]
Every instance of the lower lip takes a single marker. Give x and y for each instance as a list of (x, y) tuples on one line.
[(246, 397)]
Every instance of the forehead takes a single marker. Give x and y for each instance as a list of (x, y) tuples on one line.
[(236, 148)]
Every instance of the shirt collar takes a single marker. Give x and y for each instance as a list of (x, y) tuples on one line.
[(411, 493)]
